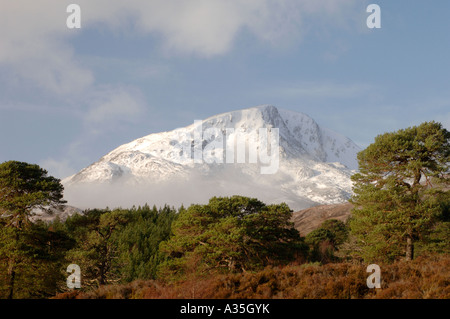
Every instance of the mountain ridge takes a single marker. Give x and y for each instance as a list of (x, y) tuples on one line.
[(318, 157)]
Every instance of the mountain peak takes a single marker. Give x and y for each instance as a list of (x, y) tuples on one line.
[(315, 163)]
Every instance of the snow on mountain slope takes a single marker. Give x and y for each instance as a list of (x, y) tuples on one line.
[(191, 164)]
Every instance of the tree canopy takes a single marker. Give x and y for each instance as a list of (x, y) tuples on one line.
[(398, 191), (24, 188), (26, 246), (230, 234), (119, 245)]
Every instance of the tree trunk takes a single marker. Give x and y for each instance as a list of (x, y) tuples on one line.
[(12, 277), (409, 248), (102, 275), (12, 270)]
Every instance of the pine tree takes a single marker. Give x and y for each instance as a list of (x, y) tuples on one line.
[(24, 188), (231, 234), (402, 176), (138, 242), (96, 251)]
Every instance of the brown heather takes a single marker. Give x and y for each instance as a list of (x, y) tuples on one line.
[(427, 277)]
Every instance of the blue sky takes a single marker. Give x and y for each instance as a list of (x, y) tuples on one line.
[(69, 96)]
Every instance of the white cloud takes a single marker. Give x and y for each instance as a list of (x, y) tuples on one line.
[(32, 46), (112, 105), (35, 41), (58, 168), (209, 27)]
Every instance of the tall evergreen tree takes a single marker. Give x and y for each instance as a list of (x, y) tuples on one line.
[(96, 251), (24, 188), (402, 176), (138, 242)]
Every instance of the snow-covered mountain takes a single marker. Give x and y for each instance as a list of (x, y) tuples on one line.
[(265, 152)]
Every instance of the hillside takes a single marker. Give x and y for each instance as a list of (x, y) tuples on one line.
[(307, 220)]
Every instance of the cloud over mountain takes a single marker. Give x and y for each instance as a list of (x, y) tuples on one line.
[(314, 165)]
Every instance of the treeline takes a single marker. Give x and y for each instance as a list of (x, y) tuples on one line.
[(171, 247), (110, 246), (227, 235)]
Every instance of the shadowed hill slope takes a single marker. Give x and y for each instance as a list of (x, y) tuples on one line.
[(307, 220)]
